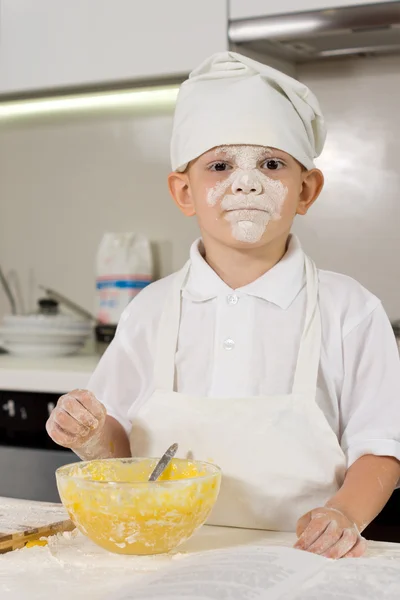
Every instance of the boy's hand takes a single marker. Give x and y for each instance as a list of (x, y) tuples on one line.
[(329, 532), (77, 419)]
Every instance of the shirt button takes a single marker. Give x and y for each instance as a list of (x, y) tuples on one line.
[(232, 299), (229, 344)]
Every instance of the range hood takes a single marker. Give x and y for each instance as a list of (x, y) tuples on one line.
[(304, 36)]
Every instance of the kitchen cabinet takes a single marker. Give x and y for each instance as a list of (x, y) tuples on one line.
[(57, 44), (245, 9)]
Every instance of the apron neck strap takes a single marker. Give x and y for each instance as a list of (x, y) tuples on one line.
[(168, 331), (306, 373)]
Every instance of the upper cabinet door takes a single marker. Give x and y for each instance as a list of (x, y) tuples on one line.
[(245, 9), (48, 44)]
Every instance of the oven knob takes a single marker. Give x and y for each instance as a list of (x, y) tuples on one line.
[(9, 407)]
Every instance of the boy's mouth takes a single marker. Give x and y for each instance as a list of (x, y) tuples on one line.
[(246, 210), (254, 215), (251, 208), (252, 203)]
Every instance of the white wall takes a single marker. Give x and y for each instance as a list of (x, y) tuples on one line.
[(355, 225), (63, 182)]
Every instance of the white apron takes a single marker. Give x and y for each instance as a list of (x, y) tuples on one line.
[(279, 456)]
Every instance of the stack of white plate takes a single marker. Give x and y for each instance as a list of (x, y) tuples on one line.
[(42, 336)]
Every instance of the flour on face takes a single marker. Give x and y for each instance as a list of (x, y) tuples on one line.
[(256, 199)]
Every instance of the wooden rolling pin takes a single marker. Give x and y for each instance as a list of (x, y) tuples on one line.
[(23, 521)]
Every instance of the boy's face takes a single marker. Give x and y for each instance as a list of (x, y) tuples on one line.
[(245, 195)]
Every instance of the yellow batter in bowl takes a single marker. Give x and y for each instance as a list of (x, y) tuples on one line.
[(113, 503)]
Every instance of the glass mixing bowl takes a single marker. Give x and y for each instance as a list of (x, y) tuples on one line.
[(112, 502)]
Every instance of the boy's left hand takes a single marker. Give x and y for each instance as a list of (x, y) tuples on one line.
[(329, 532)]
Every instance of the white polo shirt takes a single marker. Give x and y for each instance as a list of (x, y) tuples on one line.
[(244, 342)]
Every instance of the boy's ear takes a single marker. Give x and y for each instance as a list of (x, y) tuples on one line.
[(179, 188), (313, 182)]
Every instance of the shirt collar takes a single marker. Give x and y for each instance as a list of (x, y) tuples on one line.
[(280, 285)]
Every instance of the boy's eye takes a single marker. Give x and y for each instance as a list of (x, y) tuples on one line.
[(219, 166), (272, 164)]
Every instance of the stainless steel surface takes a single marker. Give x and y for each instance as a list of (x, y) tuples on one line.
[(29, 473), (302, 36), (164, 462), (8, 292)]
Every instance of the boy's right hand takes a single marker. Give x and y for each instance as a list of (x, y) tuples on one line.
[(76, 420)]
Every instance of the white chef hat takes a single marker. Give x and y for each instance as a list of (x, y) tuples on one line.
[(232, 99)]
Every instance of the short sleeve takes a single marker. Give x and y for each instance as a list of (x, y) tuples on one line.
[(370, 399), (116, 382)]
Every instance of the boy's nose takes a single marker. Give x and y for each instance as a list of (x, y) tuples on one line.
[(247, 183)]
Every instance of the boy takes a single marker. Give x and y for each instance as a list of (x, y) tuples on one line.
[(286, 377)]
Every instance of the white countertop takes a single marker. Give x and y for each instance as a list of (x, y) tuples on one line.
[(73, 567), (56, 375)]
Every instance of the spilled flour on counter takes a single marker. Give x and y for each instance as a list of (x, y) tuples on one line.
[(14, 515), (75, 550), (75, 567), (71, 566)]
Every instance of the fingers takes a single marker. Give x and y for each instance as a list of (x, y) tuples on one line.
[(60, 436), (90, 403), (330, 533), (303, 523), (77, 416), (68, 405), (359, 549), (315, 529), (327, 539), (347, 541)]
